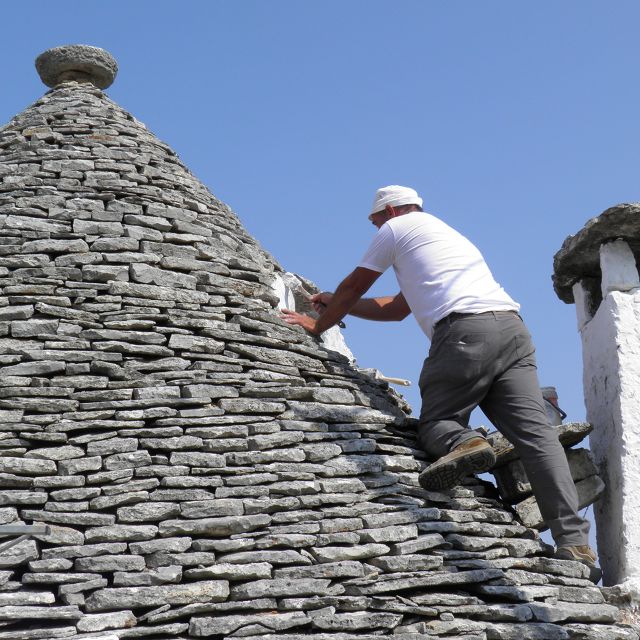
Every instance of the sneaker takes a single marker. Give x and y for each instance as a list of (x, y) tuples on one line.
[(472, 456), (581, 553)]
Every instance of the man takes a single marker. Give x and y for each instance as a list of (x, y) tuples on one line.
[(481, 355)]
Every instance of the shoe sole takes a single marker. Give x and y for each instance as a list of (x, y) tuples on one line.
[(595, 573), (450, 473)]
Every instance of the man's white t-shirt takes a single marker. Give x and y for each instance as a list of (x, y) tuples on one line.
[(439, 271)]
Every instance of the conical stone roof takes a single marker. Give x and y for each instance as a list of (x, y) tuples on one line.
[(205, 469)]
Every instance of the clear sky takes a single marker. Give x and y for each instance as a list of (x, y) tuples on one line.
[(516, 121)]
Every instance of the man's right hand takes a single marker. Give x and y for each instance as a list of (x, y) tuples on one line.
[(320, 301)]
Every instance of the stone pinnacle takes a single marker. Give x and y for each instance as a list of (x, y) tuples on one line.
[(79, 62)]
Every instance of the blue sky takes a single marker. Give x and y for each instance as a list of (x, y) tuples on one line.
[(516, 121)]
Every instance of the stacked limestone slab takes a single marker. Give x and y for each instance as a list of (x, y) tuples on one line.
[(207, 471)]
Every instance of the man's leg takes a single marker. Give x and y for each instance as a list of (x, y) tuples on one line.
[(455, 378), (515, 405), (501, 377)]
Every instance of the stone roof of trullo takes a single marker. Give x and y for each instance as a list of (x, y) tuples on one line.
[(579, 257), (206, 470)]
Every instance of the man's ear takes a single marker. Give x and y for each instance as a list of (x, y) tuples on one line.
[(390, 210)]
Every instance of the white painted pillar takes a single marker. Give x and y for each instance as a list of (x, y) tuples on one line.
[(611, 376)]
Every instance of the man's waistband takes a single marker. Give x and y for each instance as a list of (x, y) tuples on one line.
[(457, 316)]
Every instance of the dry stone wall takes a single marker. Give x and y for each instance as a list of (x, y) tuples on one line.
[(206, 470)]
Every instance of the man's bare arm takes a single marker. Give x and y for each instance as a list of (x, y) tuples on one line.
[(384, 309), (350, 290)]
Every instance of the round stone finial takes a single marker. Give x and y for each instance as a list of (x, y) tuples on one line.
[(79, 62)]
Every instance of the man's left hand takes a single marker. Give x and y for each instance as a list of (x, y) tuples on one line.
[(306, 322)]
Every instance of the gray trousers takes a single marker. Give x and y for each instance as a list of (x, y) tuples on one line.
[(488, 360)]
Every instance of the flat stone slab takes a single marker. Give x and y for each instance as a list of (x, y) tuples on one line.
[(600, 632), (132, 597), (579, 256), (355, 621), (102, 621), (26, 598), (431, 580), (280, 587), (232, 572), (10, 613), (45, 634), (575, 612), (219, 527), (526, 631), (569, 434), (218, 625)]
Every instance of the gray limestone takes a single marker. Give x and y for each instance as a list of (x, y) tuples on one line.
[(345, 569), (166, 558), (600, 632), (576, 612), (69, 517), (34, 368), (282, 557), (527, 631), (58, 578), (63, 536), (110, 563), (26, 598), (54, 564), (132, 597), (117, 533), (111, 446), (9, 613), (102, 621), (209, 460), (152, 577), (407, 563), (231, 572), (56, 453), (421, 543), (355, 552), (152, 275), (208, 626), (80, 465), (177, 545), (278, 587), (148, 512), (217, 527), (27, 466), (42, 634), (427, 579), (398, 533), (106, 502)]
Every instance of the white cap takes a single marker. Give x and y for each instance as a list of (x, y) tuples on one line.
[(394, 195)]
